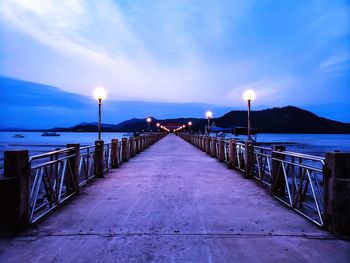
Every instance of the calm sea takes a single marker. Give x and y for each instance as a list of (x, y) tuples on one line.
[(35, 143), (316, 144)]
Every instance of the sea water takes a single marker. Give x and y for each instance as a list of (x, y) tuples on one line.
[(36, 144), (314, 144)]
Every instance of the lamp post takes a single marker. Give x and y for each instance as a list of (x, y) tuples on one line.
[(158, 124), (99, 94), (149, 120), (189, 125), (249, 95), (209, 115)]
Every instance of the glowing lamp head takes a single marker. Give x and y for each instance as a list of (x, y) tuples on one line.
[(149, 120), (209, 114), (189, 123), (183, 126), (249, 95), (99, 93), (158, 124)]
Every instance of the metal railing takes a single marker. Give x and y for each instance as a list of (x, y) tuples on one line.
[(107, 153), (295, 179), (120, 152), (240, 149), (50, 181), (86, 171), (55, 176), (300, 177)]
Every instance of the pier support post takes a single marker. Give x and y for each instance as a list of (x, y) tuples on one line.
[(222, 150), (141, 143), (249, 159), (232, 154), (337, 193), (125, 150), (144, 142), (213, 149), (278, 181), (115, 153), (137, 144), (207, 145), (72, 176), (14, 191), (99, 158), (132, 149)]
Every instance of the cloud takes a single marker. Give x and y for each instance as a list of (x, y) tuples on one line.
[(172, 51), (268, 90), (337, 62)]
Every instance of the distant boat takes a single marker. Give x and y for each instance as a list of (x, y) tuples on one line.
[(50, 134), (18, 136)]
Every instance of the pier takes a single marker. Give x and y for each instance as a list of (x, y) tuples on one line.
[(174, 202)]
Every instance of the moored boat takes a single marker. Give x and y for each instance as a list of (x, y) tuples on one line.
[(18, 136), (50, 134)]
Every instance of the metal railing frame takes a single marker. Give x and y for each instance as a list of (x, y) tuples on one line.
[(302, 175), (53, 172)]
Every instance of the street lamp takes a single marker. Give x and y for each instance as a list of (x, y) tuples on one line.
[(209, 115), (249, 95), (158, 124), (99, 94), (149, 120), (189, 125)]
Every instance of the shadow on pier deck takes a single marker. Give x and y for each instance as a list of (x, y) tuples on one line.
[(173, 203)]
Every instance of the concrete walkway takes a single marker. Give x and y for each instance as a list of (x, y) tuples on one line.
[(173, 203)]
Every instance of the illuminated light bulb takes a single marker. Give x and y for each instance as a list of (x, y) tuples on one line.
[(99, 93), (249, 95), (209, 114)]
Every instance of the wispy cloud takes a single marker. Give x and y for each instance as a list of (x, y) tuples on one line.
[(175, 51), (337, 62), (269, 90)]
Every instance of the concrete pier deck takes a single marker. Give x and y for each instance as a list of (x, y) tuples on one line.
[(174, 203)]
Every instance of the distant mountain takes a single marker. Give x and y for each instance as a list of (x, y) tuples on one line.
[(276, 120), (36, 106), (284, 120), (28, 105)]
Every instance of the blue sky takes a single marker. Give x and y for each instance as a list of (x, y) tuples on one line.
[(289, 52)]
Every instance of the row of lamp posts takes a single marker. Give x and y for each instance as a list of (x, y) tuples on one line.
[(100, 94), (248, 95)]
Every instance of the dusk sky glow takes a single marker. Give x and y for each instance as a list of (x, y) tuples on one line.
[(288, 52)]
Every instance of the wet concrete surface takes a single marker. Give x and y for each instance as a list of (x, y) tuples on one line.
[(174, 203)]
